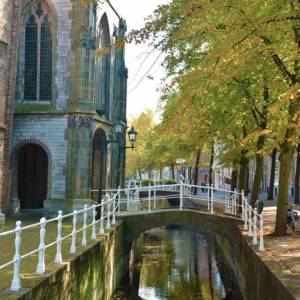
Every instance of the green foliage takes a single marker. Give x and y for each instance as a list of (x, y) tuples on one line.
[(233, 79)]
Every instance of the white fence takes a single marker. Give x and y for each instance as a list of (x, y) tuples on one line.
[(131, 199)]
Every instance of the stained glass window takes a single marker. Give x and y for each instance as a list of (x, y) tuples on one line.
[(31, 35), (45, 62), (103, 65), (38, 57)]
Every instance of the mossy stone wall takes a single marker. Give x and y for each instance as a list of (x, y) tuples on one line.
[(94, 273)]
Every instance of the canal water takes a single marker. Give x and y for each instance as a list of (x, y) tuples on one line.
[(180, 262)]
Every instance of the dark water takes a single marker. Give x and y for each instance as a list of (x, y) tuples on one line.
[(180, 263)]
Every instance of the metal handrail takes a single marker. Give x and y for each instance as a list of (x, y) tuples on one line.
[(113, 203)]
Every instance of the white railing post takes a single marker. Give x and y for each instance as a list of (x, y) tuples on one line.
[(154, 197), (231, 199), (254, 240), (16, 282), (84, 241), (212, 200), (261, 233), (40, 270), (119, 199), (108, 213), (101, 230), (94, 236), (243, 204), (234, 201), (181, 195), (58, 256), (208, 196), (74, 233), (149, 197), (114, 210), (128, 196), (246, 215), (249, 220)]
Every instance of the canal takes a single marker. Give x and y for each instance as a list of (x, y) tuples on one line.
[(180, 262)]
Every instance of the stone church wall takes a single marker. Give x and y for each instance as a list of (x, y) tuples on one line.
[(50, 132)]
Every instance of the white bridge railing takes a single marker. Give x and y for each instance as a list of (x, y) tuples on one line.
[(134, 198)]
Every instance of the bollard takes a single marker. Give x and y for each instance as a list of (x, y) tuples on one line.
[(108, 213), (40, 270), (93, 236), (74, 233), (212, 200), (149, 198), (58, 256), (261, 233), (249, 220), (254, 240), (84, 241), (16, 282), (101, 229)]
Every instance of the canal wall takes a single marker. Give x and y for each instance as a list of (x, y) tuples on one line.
[(258, 277), (94, 273)]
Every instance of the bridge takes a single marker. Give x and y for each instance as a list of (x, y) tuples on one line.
[(140, 208)]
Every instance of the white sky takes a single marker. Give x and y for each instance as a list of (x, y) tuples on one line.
[(146, 94)]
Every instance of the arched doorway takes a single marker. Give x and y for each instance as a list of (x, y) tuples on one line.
[(99, 162), (33, 164)]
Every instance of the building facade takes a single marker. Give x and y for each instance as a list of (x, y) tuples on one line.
[(69, 86)]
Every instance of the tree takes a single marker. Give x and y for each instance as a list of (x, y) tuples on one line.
[(210, 43), (139, 160)]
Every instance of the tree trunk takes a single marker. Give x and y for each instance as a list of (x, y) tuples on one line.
[(173, 171), (285, 158), (297, 176), (258, 171), (211, 165), (198, 155), (140, 174), (244, 163), (287, 148), (234, 178), (160, 174), (247, 182), (272, 175)]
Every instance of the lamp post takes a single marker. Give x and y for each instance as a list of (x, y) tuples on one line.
[(120, 127)]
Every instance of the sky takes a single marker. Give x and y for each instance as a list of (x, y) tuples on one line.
[(145, 94)]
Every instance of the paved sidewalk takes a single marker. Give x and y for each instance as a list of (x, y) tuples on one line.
[(282, 254)]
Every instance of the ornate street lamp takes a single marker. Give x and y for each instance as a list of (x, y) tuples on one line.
[(132, 135)]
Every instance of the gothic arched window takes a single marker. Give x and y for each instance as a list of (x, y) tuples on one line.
[(102, 88), (38, 56)]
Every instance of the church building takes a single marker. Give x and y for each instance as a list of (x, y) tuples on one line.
[(63, 86)]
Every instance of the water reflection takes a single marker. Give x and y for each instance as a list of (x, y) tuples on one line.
[(180, 263)]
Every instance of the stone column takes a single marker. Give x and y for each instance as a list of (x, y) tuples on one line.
[(78, 181), (6, 9), (121, 96)]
